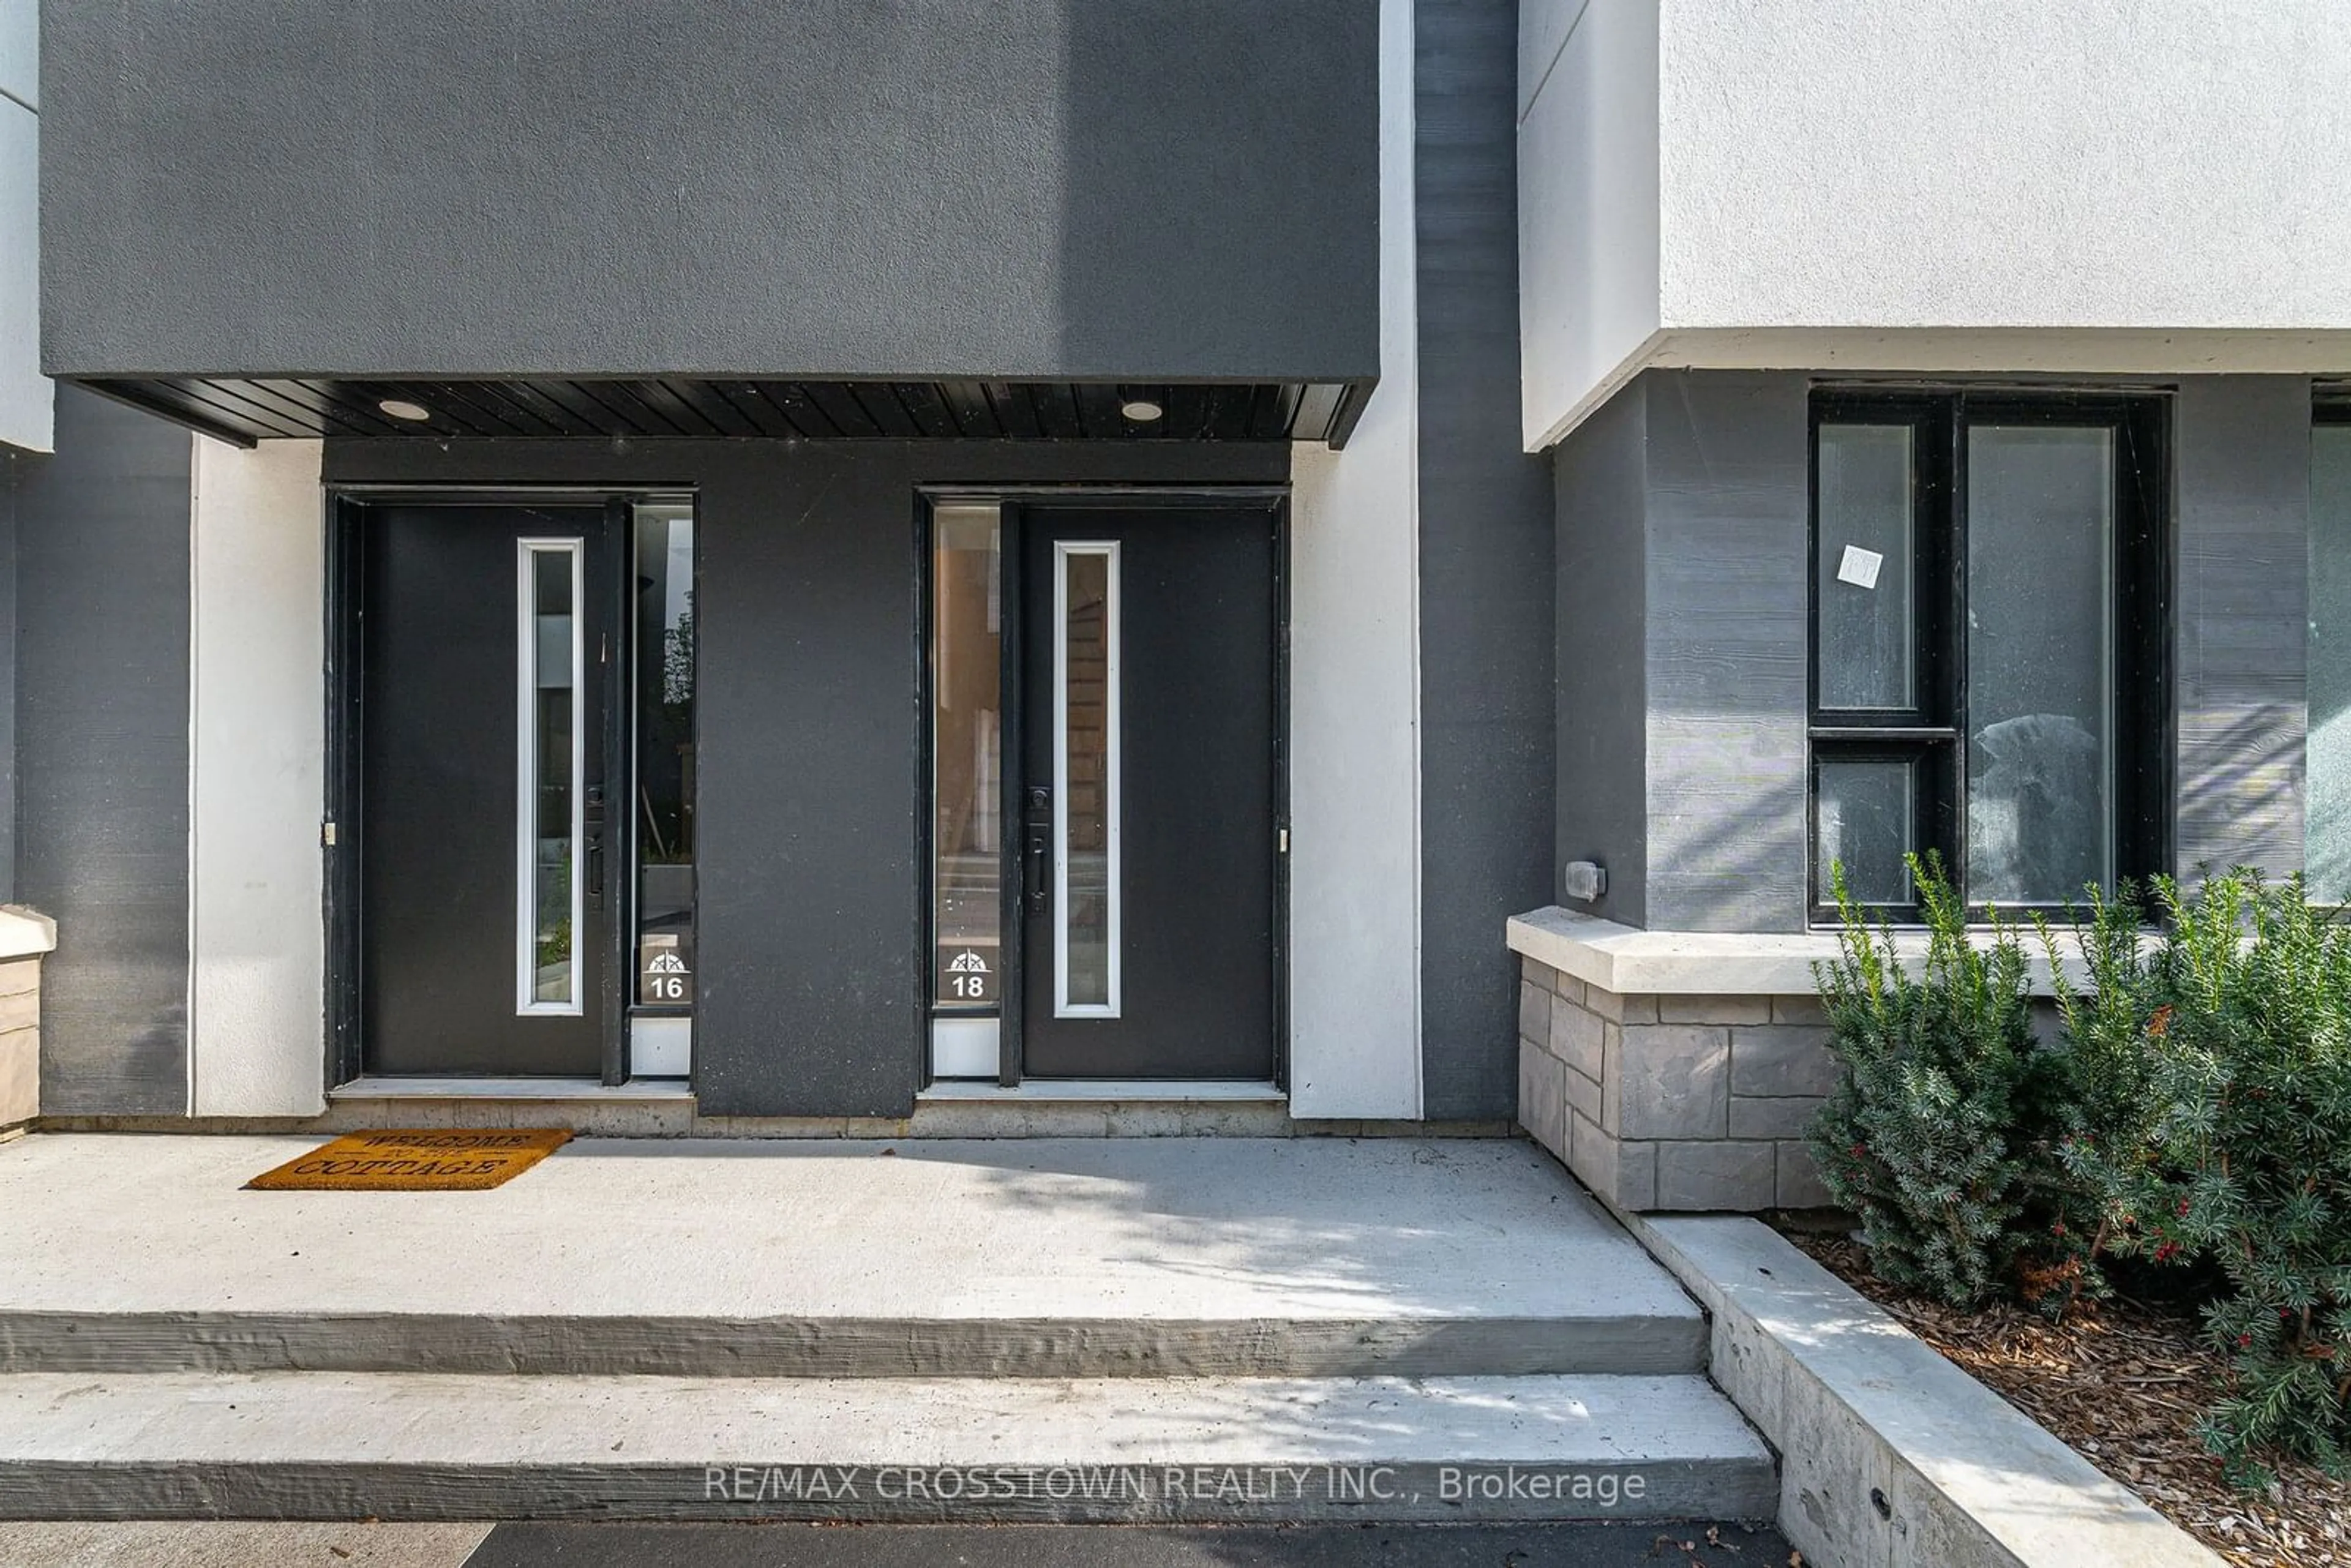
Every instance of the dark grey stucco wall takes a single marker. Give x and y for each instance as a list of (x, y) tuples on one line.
[(1681, 509), (1728, 499), (808, 786), (103, 753), (1486, 764), (1602, 500), (2241, 472), (1152, 189)]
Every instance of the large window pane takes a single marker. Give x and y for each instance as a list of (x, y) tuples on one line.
[(1867, 821), (1863, 567), (2328, 758), (664, 803), (2040, 511), (966, 761)]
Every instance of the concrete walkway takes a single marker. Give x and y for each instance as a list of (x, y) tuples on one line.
[(218, 1543)]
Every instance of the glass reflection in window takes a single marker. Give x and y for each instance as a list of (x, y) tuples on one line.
[(967, 757), (2040, 518), (2327, 854), (1867, 822), (665, 761)]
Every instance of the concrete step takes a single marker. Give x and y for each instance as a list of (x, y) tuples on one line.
[(846, 1347), (1086, 1258), (420, 1447)]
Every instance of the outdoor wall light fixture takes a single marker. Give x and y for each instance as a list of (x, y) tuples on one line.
[(399, 408), (1141, 410)]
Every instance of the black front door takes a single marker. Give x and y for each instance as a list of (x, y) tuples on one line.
[(487, 885), (1149, 683)]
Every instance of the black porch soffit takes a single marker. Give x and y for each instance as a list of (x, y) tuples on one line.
[(246, 411)]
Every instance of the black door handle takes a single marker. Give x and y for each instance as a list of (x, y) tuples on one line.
[(592, 821), (1038, 852)]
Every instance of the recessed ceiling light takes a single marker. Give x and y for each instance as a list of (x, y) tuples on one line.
[(399, 408), (1141, 410)]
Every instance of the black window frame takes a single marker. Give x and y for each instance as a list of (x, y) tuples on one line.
[(1932, 733)]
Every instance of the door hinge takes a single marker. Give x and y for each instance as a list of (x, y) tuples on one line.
[(1282, 845), (327, 834)]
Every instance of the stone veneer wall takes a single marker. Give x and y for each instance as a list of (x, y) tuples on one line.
[(20, 1042), (1674, 1103)]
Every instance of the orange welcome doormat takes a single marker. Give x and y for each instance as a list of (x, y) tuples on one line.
[(416, 1160)]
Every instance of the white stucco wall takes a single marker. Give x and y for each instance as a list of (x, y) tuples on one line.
[(1354, 676), (256, 1003), (1588, 288), (26, 400), (2142, 185)]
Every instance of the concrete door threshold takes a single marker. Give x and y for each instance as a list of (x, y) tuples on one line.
[(1125, 1091), (1102, 1108), (392, 1087)]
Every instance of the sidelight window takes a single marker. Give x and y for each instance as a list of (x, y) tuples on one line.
[(663, 808), (1987, 633), (966, 787)]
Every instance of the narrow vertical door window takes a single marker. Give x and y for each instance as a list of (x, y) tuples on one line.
[(1086, 782), (966, 787), (549, 732)]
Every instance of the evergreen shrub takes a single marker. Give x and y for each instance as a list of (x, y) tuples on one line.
[(2250, 1164), (1925, 1138), (2195, 1109)]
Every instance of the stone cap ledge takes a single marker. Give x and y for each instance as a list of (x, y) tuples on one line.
[(24, 934), (1863, 1411), (1632, 962)]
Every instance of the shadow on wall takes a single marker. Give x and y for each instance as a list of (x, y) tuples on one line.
[(2252, 770), (1722, 829)]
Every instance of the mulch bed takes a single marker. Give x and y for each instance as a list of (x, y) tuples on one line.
[(2124, 1383)]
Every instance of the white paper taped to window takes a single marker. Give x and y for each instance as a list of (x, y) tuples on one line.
[(1859, 566)]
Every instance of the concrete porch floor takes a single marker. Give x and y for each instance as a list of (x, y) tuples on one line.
[(1049, 1256)]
